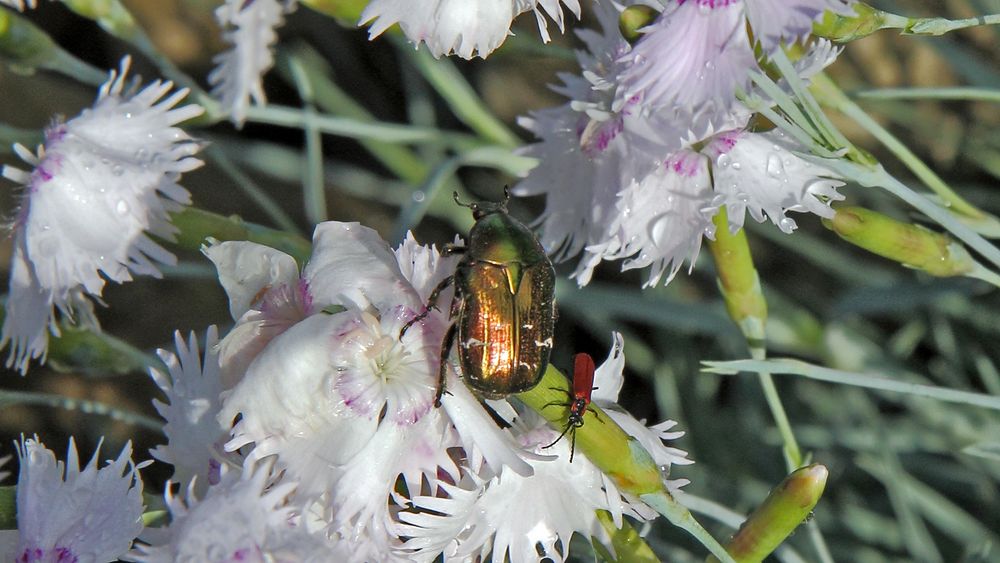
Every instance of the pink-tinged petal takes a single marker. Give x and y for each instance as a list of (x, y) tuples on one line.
[(692, 59), (248, 270), (761, 174)]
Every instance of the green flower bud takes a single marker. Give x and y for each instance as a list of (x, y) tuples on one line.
[(788, 505), (635, 18), (910, 245)]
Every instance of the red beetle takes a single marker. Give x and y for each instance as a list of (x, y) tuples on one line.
[(583, 385)]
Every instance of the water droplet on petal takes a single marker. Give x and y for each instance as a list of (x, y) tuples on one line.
[(723, 160), (787, 224), (737, 166), (117, 170), (774, 167), (419, 196), (122, 207)]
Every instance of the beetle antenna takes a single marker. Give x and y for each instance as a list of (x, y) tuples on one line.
[(458, 201)]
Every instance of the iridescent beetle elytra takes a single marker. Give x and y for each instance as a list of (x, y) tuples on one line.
[(503, 311)]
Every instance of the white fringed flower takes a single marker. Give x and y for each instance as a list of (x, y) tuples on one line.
[(467, 28), (65, 514), (337, 396), (697, 54), (192, 388), (761, 174), (102, 181), (250, 27), (245, 517), (529, 518), (636, 165)]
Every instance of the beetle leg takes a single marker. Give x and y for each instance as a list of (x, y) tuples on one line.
[(431, 304), (446, 344), (451, 248)]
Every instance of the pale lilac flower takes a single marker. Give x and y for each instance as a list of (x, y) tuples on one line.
[(65, 514), (467, 28), (528, 518), (636, 165), (102, 181), (697, 54), (192, 388), (245, 517), (250, 27)]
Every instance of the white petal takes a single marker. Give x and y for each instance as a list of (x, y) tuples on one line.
[(466, 28), (352, 266), (244, 518), (251, 29), (29, 314), (692, 58), (104, 181), (247, 270), (661, 219), (64, 513), (480, 435), (289, 406), (760, 173), (609, 378), (192, 387)]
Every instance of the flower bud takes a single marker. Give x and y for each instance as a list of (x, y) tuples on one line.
[(635, 18), (788, 505), (910, 245)]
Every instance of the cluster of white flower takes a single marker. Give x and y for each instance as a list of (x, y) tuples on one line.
[(338, 452), (654, 142), (309, 432)]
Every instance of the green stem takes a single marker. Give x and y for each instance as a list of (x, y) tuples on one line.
[(332, 99), (249, 186), (196, 225), (313, 188), (460, 96), (83, 405), (828, 92), (285, 116), (629, 545), (955, 93)]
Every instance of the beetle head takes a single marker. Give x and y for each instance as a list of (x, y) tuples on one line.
[(481, 209)]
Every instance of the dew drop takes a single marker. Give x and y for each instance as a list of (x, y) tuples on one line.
[(743, 197), (419, 196), (787, 224), (723, 160), (774, 167), (737, 166), (121, 207), (117, 170)]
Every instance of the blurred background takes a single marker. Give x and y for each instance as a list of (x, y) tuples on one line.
[(911, 478)]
